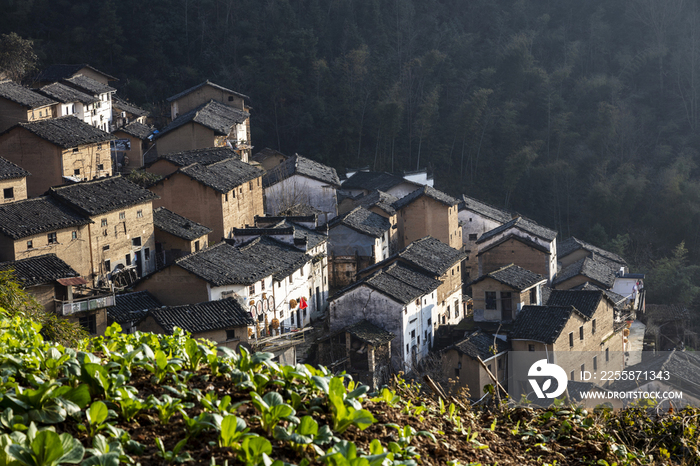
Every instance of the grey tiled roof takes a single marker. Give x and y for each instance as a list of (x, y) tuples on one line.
[(102, 195), (377, 198), (596, 269), (177, 225), (431, 255), (9, 170), (63, 71), (66, 94), (39, 270), (572, 244), (86, 84), (37, 215), (214, 115), (370, 333), (202, 156), (586, 301), (125, 106), (481, 208), (371, 181), (66, 131), (136, 129), (301, 166), (222, 176), (480, 345), (514, 276), (24, 96), (546, 291), (203, 317), (224, 264), (313, 238), (614, 297), (363, 221), (541, 323), (205, 83), (525, 225), (427, 191), (131, 307)]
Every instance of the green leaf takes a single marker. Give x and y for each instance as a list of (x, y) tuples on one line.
[(47, 447), (97, 414), (73, 450), (307, 426)]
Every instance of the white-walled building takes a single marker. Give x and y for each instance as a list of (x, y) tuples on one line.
[(364, 182), (73, 102), (102, 109)]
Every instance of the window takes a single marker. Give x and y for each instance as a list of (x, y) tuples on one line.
[(262, 287), (41, 113), (122, 215), (472, 236), (89, 323), (251, 290), (230, 334), (490, 300), (533, 296), (139, 213), (226, 197), (147, 254), (593, 327), (103, 222), (607, 354), (99, 146), (448, 312), (290, 277), (489, 367), (500, 364), (453, 272), (52, 238), (418, 302), (30, 244), (108, 266), (531, 347), (250, 185), (135, 242), (128, 259), (580, 333), (457, 373), (571, 339), (595, 363), (407, 350), (73, 235), (196, 246), (76, 172), (413, 333), (279, 284), (100, 166), (105, 248), (8, 193), (430, 322), (572, 375)]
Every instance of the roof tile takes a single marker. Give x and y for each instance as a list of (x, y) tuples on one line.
[(66, 131), (37, 215), (203, 317), (39, 270), (177, 225), (102, 195)]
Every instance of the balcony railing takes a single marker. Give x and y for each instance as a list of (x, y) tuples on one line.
[(66, 308)]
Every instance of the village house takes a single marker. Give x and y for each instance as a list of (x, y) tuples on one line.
[(71, 101), (133, 141), (121, 232), (102, 109), (59, 288), (59, 72), (364, 182), (211, 124), (441, 262), (56, 151), (499, 295), (428, 212), (222, 195), (572, 250), (362, 350), (521, 242), (124, 113), (378, 202), (13, 182), (19, 104), (130, 308), (224, 322), (176, 236), (42, 225), (358, 239), (477, 218), (268, 158), (462, 362), (623, 308), (398, 299), (195, 96), (167, 164), (592, 269), (301, 181)]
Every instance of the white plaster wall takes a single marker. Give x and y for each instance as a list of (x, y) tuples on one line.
[(475, 223), (298, 189), (345, 241)]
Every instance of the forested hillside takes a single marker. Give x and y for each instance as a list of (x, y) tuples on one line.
[(581, 115)]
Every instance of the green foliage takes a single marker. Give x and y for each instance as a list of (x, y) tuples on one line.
[(17, 57), (143, 178), (673, 279)]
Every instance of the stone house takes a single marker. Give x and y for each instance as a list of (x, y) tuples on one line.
[(573, 249), (222, 196), (362, 350), (177, 236), (364, 182), (380, 203), (121, 233), (57, 151), (397, 298), (211, 124), (476, 218), (521, 242), (130, 308), (168, 164), (301, 181), (59, 288), (460, 362), (59, 72), (268, 158), (13, 182), (195, 96), (133, 141), (428, 212), (499, 295), (124, 113), (39, 226), (102, 109), (19, 104), (357, 239), (592, 269), (224, 322), (441, 262), (71, 101)]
